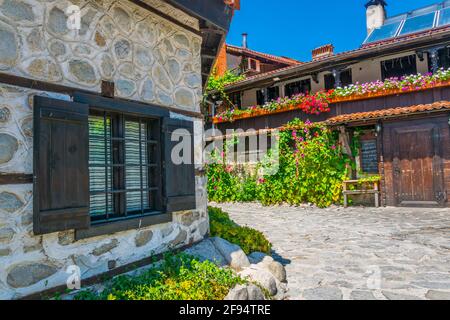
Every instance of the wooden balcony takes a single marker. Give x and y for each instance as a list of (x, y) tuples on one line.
[(277, 120)]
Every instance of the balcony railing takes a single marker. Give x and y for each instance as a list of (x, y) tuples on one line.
[(348, 105)]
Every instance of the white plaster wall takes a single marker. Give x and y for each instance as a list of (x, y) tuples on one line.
[(362, 72)]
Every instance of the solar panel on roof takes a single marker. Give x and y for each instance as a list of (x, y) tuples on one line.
[(444, 18), (422, 11), (419, 23), (385, 32), (398, 18), (419, 20)]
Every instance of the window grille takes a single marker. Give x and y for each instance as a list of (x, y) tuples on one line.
[(124, 162)]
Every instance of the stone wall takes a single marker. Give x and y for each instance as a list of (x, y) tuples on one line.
[(150, 60)]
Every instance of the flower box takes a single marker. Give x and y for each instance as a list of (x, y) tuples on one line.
[(315, 103)]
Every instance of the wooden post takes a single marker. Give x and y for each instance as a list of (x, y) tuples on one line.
[(377, 194), (345, 195)]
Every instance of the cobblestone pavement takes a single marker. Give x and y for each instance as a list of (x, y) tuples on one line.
[(356, 253)]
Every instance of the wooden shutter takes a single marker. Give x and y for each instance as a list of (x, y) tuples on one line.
[(61, 171), (179, 182)]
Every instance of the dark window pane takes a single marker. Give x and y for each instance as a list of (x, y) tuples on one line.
[(303, 86), (329, 81), (235, 99), (260, 100), (273, 93), (346, 79), (399, 67)]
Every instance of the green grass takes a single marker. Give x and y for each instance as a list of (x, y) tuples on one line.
[(250, 240), (179, 277)]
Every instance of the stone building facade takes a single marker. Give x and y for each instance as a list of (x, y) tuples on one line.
[(150, 60)]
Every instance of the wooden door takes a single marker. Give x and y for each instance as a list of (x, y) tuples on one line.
[(416, 164)]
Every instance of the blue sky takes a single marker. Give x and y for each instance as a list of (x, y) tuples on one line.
[(293, 28)]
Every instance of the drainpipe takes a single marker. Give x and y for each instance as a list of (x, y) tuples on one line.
[(213, 114)]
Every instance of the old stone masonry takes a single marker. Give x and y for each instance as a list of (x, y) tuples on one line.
[(266, 278), (356, 253), (150, 60)]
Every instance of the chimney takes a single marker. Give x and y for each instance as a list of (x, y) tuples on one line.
[(323, 52), (375, 14), (244, 40)]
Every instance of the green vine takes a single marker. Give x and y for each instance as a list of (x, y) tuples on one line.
[(216, 85), (306, 166)]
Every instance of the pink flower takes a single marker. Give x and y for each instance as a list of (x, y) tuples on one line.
[(333, 147)]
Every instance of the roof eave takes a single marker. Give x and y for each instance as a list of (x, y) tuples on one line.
[(345, 58)]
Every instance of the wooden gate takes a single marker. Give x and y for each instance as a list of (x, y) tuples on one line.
[(414, 151)]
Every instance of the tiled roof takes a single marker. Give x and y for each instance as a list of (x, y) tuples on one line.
[(267, 56), (387, 113), (336, 57)]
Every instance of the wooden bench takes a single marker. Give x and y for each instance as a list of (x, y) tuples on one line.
[(375, 190)]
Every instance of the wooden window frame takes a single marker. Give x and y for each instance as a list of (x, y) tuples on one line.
[(260, 97), (369, 136), (119, 167), (257, 63), (130, 110), (236, 99), (275, 91), (330, 81), (384, 73), (300, 85)]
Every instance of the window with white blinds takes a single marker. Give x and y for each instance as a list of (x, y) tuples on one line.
[(124, 167)]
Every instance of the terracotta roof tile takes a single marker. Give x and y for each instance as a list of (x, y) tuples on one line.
[(393, 112), (278, 59)]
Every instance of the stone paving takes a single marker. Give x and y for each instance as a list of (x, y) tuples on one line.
[(356, 253)]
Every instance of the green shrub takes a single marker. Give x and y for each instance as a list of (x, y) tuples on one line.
[(248, 239), (179, 277), (311, 169)]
